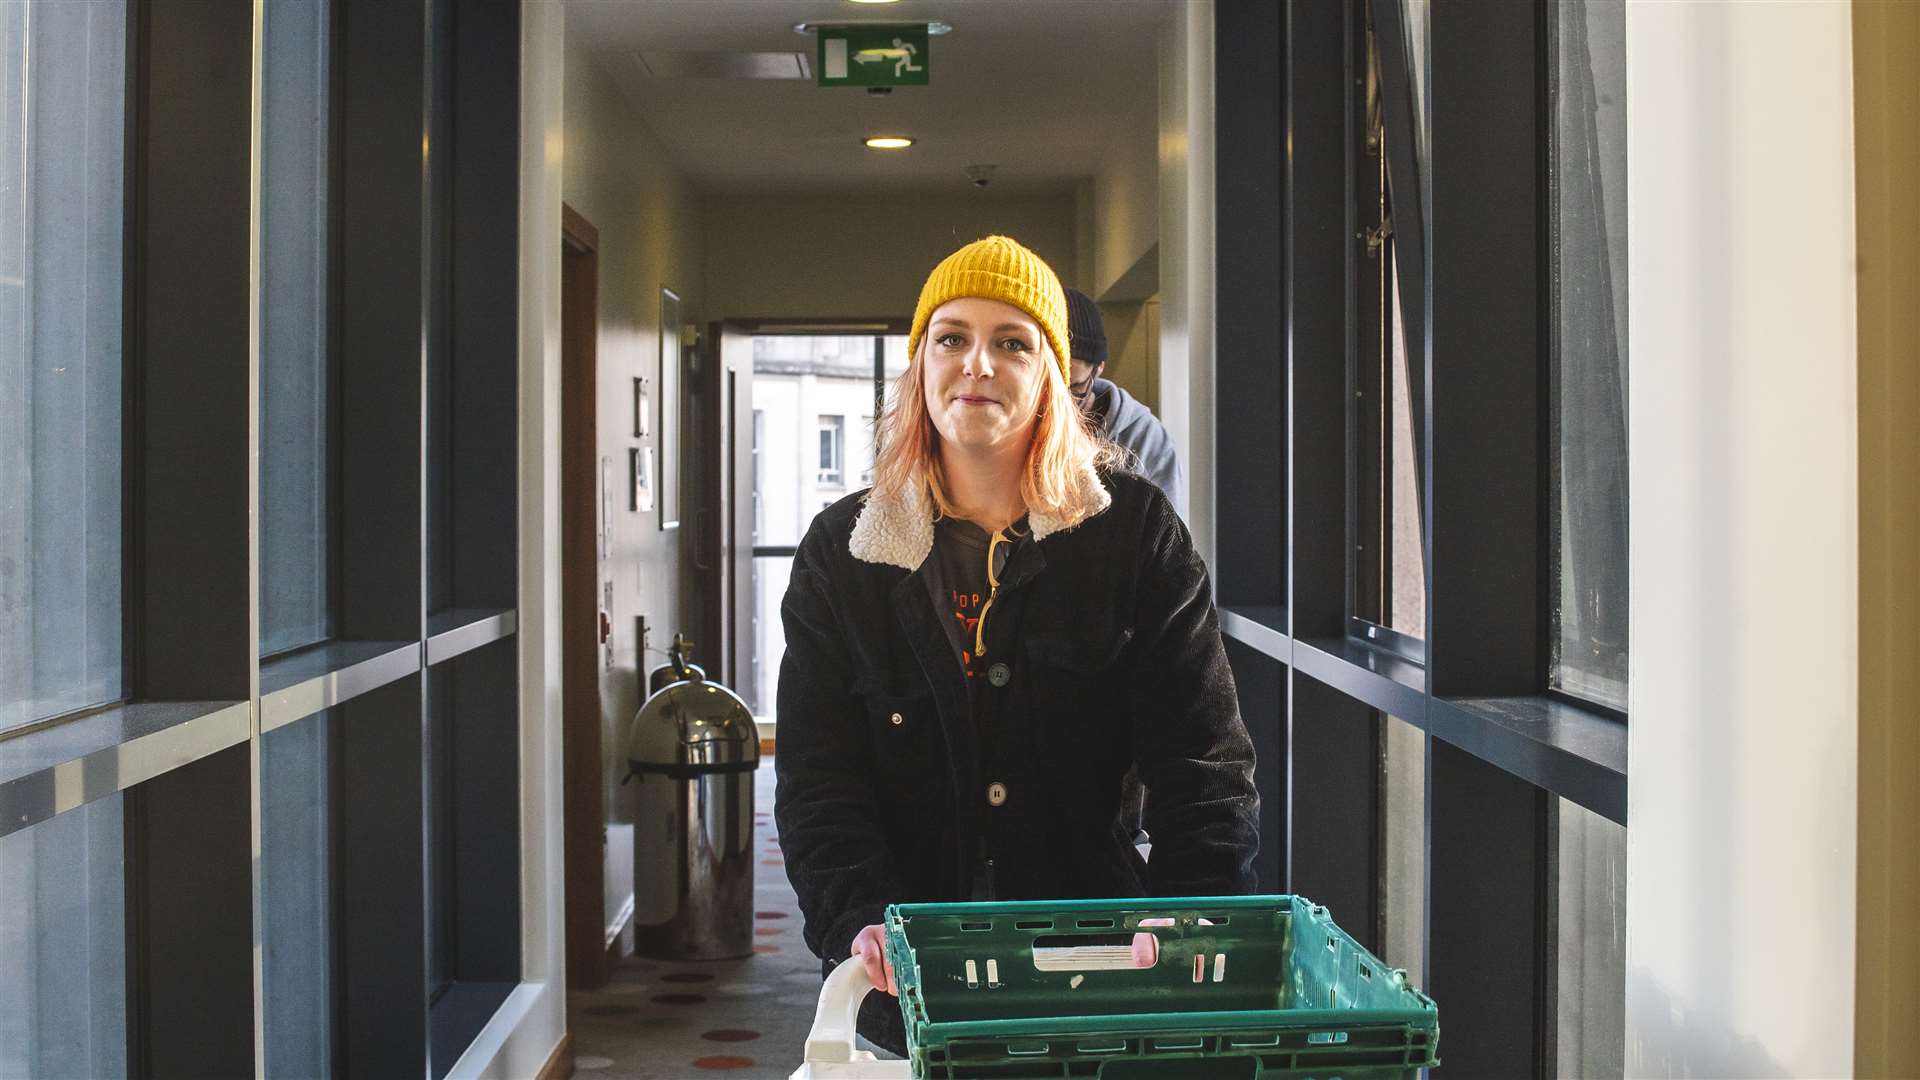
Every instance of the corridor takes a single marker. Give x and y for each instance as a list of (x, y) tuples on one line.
[(662, 1020)]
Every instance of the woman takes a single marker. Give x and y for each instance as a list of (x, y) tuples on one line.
[(980, 647)]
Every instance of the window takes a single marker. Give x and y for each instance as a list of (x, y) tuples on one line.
[(759, 506), (797, 465), (62, 137), (1587, 193), (869, 431), (1387, 560), (295, 372), (833, 440)]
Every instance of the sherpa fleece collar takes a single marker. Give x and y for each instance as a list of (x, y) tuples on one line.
[(899, 531)]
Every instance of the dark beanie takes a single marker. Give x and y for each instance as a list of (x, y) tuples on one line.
[(1087, 335)]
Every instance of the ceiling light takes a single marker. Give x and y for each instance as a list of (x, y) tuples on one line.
[(888, 142)]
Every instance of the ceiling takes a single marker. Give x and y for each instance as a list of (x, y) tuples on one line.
[(1037, 87)]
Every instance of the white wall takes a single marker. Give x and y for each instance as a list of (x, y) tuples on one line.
[(1743, 553), (617, 174), (859, 255), (1186, 254), (1124, 199)]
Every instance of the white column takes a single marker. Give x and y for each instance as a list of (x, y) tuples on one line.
[(1743, 542)]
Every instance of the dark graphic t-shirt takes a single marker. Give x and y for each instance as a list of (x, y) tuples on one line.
[(961, 547)]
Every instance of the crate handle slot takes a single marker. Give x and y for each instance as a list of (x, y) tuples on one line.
[(1183, 1044), (1085, 952), (1326, 1038), (1101, 1048), (1095, 924), (1046, 924), (1026, 1048), (976, 927)]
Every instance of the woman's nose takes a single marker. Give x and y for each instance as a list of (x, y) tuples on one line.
[(977, 364)]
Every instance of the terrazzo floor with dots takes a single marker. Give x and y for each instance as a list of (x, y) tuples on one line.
[(743, 1018)]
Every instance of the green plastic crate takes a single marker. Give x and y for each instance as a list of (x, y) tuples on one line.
[(1246, 987)]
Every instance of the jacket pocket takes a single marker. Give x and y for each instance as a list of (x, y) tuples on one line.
[(904, 731), (1079, 657), (1077, 691)]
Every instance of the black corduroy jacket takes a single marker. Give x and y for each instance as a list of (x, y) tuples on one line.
[(1114, 660)]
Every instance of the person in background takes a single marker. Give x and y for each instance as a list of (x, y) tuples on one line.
[(1117, 415)]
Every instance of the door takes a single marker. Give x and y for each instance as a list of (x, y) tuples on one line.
[(723, 520), (582, 621)]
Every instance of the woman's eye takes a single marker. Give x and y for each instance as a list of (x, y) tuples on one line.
[(950, 341), (1014, 344)]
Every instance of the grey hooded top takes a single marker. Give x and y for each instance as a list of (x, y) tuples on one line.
[(1132, 426)]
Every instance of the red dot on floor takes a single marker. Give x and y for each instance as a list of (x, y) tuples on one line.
[(730, 1035), (769, 914), (766, 949), (723, 1061), (772, 862), (679, 999), (766, 931)]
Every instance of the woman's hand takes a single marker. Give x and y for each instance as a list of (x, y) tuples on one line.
[(870, 948)]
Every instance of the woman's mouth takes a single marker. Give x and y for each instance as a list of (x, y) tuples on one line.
[(973, 399)]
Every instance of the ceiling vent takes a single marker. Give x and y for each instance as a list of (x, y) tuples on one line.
[(726, 65)]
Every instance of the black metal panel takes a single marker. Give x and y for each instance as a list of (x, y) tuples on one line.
[(1381, 679), (382, 884), (190, 401), (382, 319), (1489, 954), (1316, 227), (1261, 683), (1485, 508), (486, 827), (1251, 538), (438, 285), (190, 909), (1576, 754), (1335, 810), (485, 295)]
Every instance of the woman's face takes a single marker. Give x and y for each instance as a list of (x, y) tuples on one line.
[(984, 367)]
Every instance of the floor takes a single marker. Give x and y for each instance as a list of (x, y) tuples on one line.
[(743, 1018)]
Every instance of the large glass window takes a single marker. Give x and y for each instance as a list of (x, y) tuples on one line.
[(63, 935), (1403, 844), (296, 883), (805, 390), (62, 194), (1587, 146), (295, 375), (1387, 557)]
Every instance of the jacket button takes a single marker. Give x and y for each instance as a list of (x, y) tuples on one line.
[(999, 674), (896, 719), (996, 793)]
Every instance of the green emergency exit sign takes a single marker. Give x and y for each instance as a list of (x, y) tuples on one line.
[(871, 56)]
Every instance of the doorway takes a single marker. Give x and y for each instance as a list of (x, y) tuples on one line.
[(585, 624)]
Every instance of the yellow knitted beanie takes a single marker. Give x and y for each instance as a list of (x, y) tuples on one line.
[(998, 268)]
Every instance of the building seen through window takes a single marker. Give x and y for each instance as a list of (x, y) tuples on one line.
[(814, 404)]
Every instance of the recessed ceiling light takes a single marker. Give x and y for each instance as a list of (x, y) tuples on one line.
[(888, 142)]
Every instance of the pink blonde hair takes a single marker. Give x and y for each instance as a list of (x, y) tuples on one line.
[(1063, 445)]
